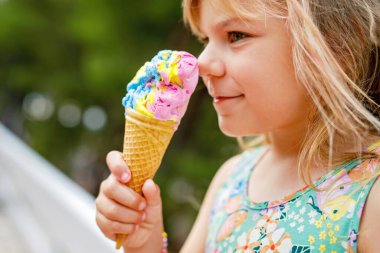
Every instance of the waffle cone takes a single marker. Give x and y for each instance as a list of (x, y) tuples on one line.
[(145, 142)]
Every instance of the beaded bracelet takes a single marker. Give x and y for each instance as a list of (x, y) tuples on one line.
[(164, 242)]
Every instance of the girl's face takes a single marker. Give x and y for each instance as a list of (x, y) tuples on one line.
[(248, 70)]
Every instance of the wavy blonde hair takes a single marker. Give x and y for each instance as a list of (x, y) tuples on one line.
[(336, 57)]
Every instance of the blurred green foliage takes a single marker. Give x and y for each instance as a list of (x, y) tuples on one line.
[(84, 52)]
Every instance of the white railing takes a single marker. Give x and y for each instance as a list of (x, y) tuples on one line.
[(51, 213)]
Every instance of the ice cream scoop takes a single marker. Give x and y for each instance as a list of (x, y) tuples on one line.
[(162, 87)]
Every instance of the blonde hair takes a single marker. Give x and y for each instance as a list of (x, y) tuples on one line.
[(336, 57)]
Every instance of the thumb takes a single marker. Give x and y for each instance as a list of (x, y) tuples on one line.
[(118, 166), (151, 193)]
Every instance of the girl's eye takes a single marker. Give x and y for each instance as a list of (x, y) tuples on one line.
[(235, 36)]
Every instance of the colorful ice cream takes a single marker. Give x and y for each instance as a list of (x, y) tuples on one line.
[(162, 87)]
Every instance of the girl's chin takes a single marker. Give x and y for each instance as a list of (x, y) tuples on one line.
[(234, 129), (231, 129)]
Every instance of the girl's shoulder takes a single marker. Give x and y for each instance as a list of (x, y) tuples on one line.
[(236, 164), (244, 161), (370, 224), (227, 169)]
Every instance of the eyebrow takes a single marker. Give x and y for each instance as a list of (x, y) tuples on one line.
[(233, 21), (228, 22), (253, 23)]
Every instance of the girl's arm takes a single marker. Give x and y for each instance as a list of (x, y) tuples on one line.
[(196, 241), (369, 231)]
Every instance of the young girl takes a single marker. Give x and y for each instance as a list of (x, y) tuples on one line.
[(305, 75)]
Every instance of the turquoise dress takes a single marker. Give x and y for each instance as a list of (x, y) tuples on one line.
[(307, 221)]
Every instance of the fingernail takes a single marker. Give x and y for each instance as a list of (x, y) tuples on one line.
[(125, 177), (142, 206), (153, 185)]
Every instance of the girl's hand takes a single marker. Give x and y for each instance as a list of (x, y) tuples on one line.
[(120, 210)]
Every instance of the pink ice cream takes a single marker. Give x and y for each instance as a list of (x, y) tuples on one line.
[(162, 87)]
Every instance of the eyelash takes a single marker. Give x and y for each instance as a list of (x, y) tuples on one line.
[(235, 36), (232, 37)]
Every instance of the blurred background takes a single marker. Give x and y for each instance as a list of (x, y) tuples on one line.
[(64, 66)]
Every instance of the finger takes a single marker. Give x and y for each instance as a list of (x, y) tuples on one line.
[(122, 194), (151, 193), (118, 167), (110, 228), (104, 230), (116, 212)]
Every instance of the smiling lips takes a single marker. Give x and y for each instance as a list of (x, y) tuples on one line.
[(221, 99)]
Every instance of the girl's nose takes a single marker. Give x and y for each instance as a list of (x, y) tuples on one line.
[(210, 63)]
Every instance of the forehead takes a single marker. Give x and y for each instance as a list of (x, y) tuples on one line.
[(231, 9), (236, 8), (221, 13)]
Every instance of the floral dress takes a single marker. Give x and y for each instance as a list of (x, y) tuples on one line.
[(306, 221)]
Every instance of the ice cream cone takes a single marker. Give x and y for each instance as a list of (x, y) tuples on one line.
[(155, 102), (145, 142)]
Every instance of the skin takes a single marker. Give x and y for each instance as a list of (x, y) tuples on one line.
[(248, 71), (247, 67), (120, 210), (369, 230)]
